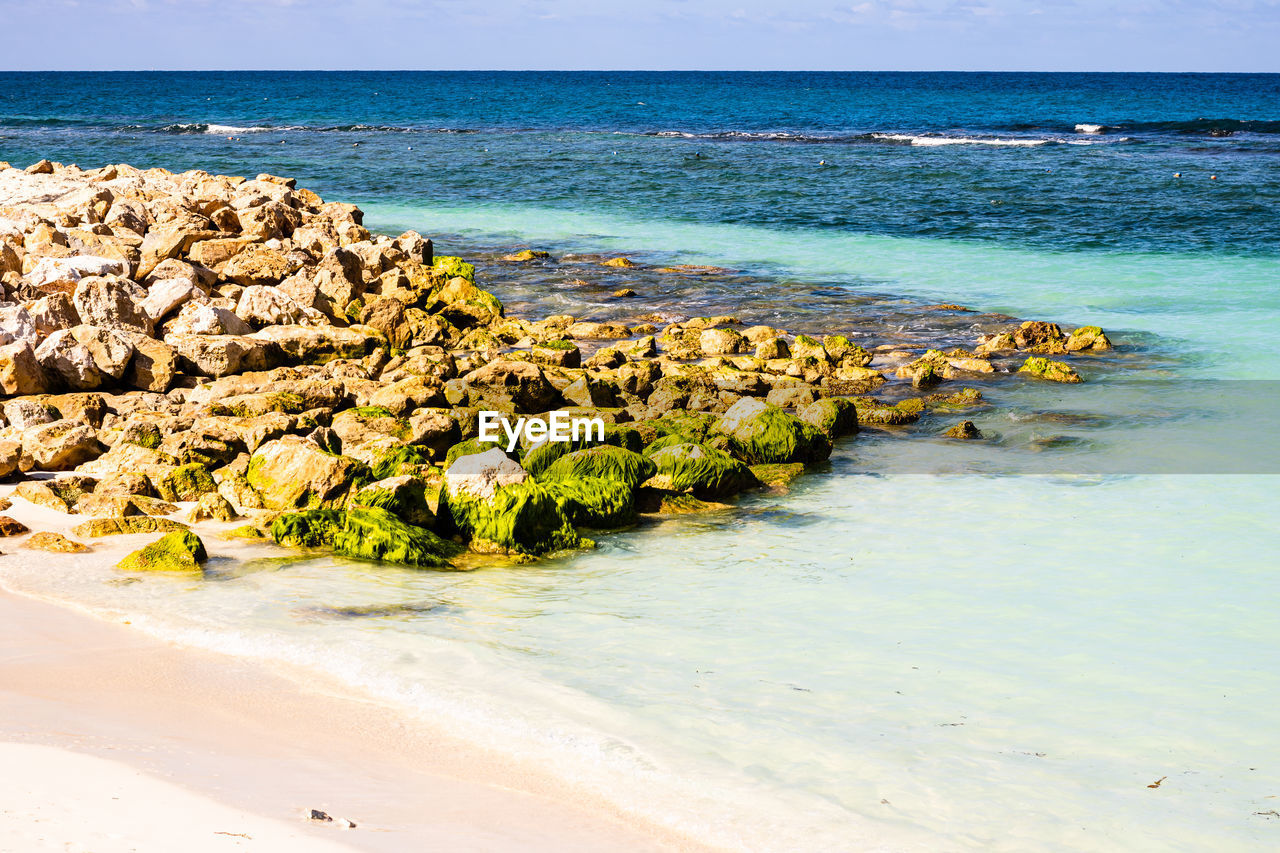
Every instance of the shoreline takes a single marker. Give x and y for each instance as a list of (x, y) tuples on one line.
[(202, 724)]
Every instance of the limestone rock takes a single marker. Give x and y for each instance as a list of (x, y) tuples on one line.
[(292, 472)]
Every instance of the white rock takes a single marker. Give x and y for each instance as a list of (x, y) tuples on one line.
[(52, 270), (480, 475), (65, 356), (165, 295)]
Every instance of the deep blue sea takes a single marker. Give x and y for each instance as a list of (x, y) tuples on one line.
[(924, 646)]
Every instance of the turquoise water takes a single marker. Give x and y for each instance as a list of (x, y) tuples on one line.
[(923, 647)]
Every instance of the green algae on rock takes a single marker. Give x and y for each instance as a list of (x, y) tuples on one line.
[(606, 461), (1053, 371), (450, 267), (524, 518), (314, 528), (404, 496), (179, 551), (293, 473), (372, 533), (760, 433), (595, 502), (702, 470), (777, 476), (834, 416), (186, 483)]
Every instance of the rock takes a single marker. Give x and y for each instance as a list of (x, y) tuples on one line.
[(61, 445), (623, 263), (10, 458), (557, 353), (637, 377), (995, 343), (110, 350), (16, 325), (53, 312), (291, 472), (21, 371), (791, 396), (221, 355), (523, 383), (50, 273), (404, 496), (1040, 337), (878, 413), (479, 476), (213, 507), (605, 462), (589, 331), (777, 477), (202, 318), (594, 502), (964, 430), (1054, 371), (317, 344), (773, 348), (186, 483), (107, 505), (112, 303), (126, 526), (1088, 338), (154, 366), (24, 413), (372, 533), (721, 342), (520, 518), (450, 267), (834, 416), (526, 255), (589, 393), (165, 295), (62, 355), (269, 306), (130, 459), (465, 305), (179, 551), (46, 493), (701, 469), (257, 265), (11, 526), (760, 433), (624, 293), (54, 542)]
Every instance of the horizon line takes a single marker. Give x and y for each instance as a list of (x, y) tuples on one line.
[(609, 71)]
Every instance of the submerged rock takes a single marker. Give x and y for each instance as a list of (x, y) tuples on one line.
[(964, 430), (702, 470), (54, 543), (523, 518)]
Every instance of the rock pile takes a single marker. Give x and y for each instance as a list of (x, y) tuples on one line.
[(245, 349)]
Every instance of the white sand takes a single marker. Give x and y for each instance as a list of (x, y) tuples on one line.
[(54, 799), (113, 740)]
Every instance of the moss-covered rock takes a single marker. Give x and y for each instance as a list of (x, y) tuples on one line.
[(470, 447), (964, 430), (404, 497), (874, 412), (244, 531), (126, 525), (777, 476), (605, 461), (179, 551), (834, 416), (965, 398), (541, 457), (186, 483), (759, 433), (314, 528), (595, 503), (1088, 338), (373, 533), (449, 266), (1053, 371), (399, 460), (524, 518), (700, 469)]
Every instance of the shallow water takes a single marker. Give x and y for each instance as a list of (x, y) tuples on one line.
[(929, 645)]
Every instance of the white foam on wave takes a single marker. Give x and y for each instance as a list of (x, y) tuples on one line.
[(934, 141), (231, 129), (1090, 128)]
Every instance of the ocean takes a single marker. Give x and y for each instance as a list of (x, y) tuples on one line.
[(926, 645)]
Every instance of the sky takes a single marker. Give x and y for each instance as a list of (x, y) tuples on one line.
[(1050, 35)]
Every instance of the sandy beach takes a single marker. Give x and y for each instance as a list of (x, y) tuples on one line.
[(111, 740)]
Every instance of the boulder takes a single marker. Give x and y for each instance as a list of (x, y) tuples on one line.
[(833, 416), (1086, 339), (721, 342), (112, 303), (317, 344), (292, 472), (605, 462), (523, 383), (154, 366), (700, 469), (61, 445), (261, 305), (1040, 337), (55, 543), (1053, 371), (110, 350), (21, 371), (220, 355), (479, 475), (257, 265), (595, 502), (179, 551), (16, 325), (760, 434), (62, 355), (963, 430), (165, 295), (203, 318), (557, 353), (23, 413)]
